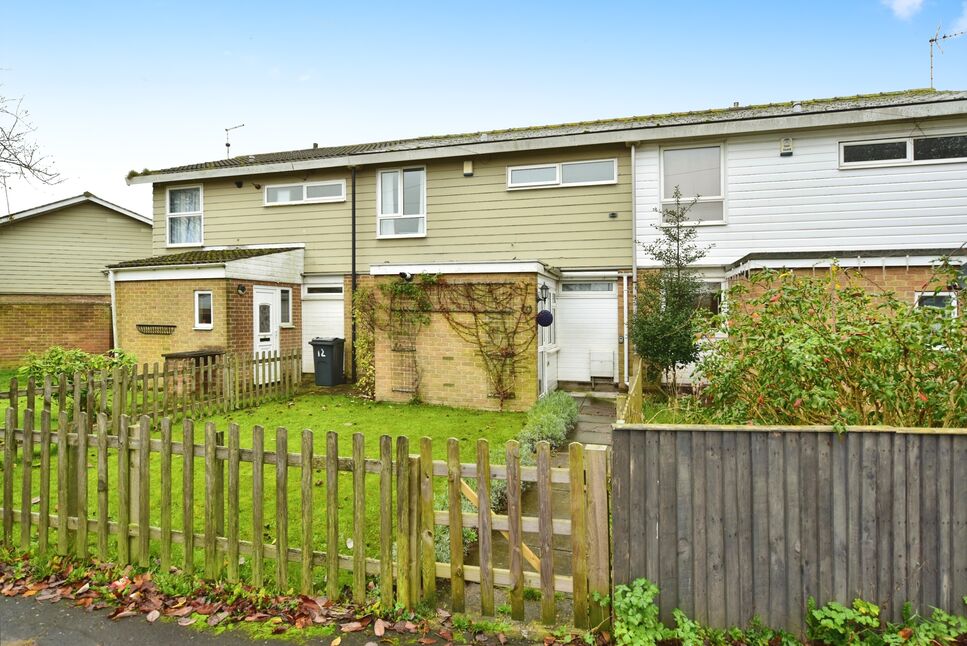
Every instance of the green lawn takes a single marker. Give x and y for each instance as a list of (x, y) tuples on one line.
[(321, 413), (6, 374)]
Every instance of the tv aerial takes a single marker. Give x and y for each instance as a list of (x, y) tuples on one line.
[(228, 144), (936, 40)]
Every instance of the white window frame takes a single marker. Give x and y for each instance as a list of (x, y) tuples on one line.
[(198, 214), (559, 175), (396, 216), (952, 295), (211, 296), (567, 293), (305, 186), (282, 310), (664, 201), (907, 161)]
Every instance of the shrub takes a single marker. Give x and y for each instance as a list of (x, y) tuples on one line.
[(550, 420), (57, 361), (364, 312), (836, 624), (821, 350), (441, 537)]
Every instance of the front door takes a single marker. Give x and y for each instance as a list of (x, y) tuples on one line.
[(266, 318)]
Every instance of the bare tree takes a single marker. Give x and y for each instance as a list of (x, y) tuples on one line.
[(19, 154)]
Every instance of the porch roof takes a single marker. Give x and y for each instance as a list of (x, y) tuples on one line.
[(198, 257)]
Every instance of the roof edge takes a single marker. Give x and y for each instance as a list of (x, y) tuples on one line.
[(72, 201)]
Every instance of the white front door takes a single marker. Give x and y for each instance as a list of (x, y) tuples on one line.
[(588, 330), (266, 319)]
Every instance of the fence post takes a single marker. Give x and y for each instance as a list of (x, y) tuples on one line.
[(332, 515), (9, 453), (579, 537), (484, 529), (546, 530), (386, 521), (124, 493), (234, 459), (456, 525), (43, 533), (282, 508), (403, 523), (72, 461), (414, 506), (211, 504), (81, 486), (26, 472), (515, 533), (359, 518), (306, 574), (14, 400), (219, 492), (599, 562), (258, 486), (427, 520)]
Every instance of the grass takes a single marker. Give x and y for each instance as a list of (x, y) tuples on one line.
[(6, 374), (322, 413)]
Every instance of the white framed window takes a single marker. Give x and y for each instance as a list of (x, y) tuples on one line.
[(401, 203), (323, 290), (285, 306), (576, 173), (204, 311), (699, 173), (939, 300), (588, 287), (943, 149), (305, 193), (184, 214)]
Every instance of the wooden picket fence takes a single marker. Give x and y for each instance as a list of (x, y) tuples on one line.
[(631, 410), (210, 386), (405, 529)]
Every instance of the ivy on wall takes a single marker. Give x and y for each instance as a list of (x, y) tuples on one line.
[(497, 318)]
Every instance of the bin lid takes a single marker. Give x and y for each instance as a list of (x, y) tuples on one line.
[(319, 340)]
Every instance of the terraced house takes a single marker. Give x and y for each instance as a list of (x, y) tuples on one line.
[(263, 252)]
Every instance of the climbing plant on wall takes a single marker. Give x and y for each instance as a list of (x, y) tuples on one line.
[(498, 318)]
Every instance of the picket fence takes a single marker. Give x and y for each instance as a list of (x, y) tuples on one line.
[(406, 529), (208, 386)]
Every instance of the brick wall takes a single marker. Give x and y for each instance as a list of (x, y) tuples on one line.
[(903, 281), (171, 302), (35, 322), (240, 333), (448, 369)]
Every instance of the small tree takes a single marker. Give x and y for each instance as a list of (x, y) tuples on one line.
[(662, 327), (19, 154)]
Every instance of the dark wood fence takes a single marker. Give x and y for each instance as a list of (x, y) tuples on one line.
[(733, 522), (174, 503)]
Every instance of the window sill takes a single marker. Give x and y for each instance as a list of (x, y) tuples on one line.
[(407, 235), (184, 244), (568, 185), (692, 223), (287, 326), (304, 202), (207, 328)]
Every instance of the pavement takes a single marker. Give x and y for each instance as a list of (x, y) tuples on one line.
[(596, 414), (27, 622)]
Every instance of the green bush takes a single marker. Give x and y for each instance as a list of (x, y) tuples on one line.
[(825, 350), (58, 361), (550, 420), (441, 537)]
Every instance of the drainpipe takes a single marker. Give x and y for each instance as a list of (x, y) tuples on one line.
[(114, 309), (634, 232), (352, 290)]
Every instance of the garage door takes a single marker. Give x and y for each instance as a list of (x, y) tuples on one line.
[(587, 330), (322, 315)]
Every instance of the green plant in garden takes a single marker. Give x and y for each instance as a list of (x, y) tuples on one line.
[(364, 313), (663, 328), (836, 624), (636, 621), (57, 361), (795, 349), (441, 537)]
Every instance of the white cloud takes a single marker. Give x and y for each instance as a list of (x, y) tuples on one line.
[(904, 9), (961, 24)]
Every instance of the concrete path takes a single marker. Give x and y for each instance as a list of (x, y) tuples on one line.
[(26, 622), (596, 414)]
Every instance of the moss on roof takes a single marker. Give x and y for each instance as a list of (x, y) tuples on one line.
[(206, 257), (740, 113)]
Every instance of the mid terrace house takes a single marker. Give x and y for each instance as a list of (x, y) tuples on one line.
[(458, 245)]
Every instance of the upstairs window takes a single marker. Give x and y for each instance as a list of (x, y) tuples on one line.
[(204, 318), (579, 173), (183, 209), (308, 193), (401, 203), (906, 150), (697, 172)]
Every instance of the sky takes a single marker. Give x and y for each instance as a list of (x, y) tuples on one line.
[(114, 86)]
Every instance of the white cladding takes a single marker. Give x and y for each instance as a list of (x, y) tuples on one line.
[(805, 202)]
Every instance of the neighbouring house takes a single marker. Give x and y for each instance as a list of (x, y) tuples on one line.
[(54, 289), (465, 238)]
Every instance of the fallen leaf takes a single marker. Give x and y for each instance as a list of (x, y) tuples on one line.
[(336, 641), (187, 621), (379, 628), (351, 627), (426, 640), (216, 619), (153, 616), (502, 638)]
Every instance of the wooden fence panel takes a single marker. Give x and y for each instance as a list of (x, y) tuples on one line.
[(403, 552), (744, 521)]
